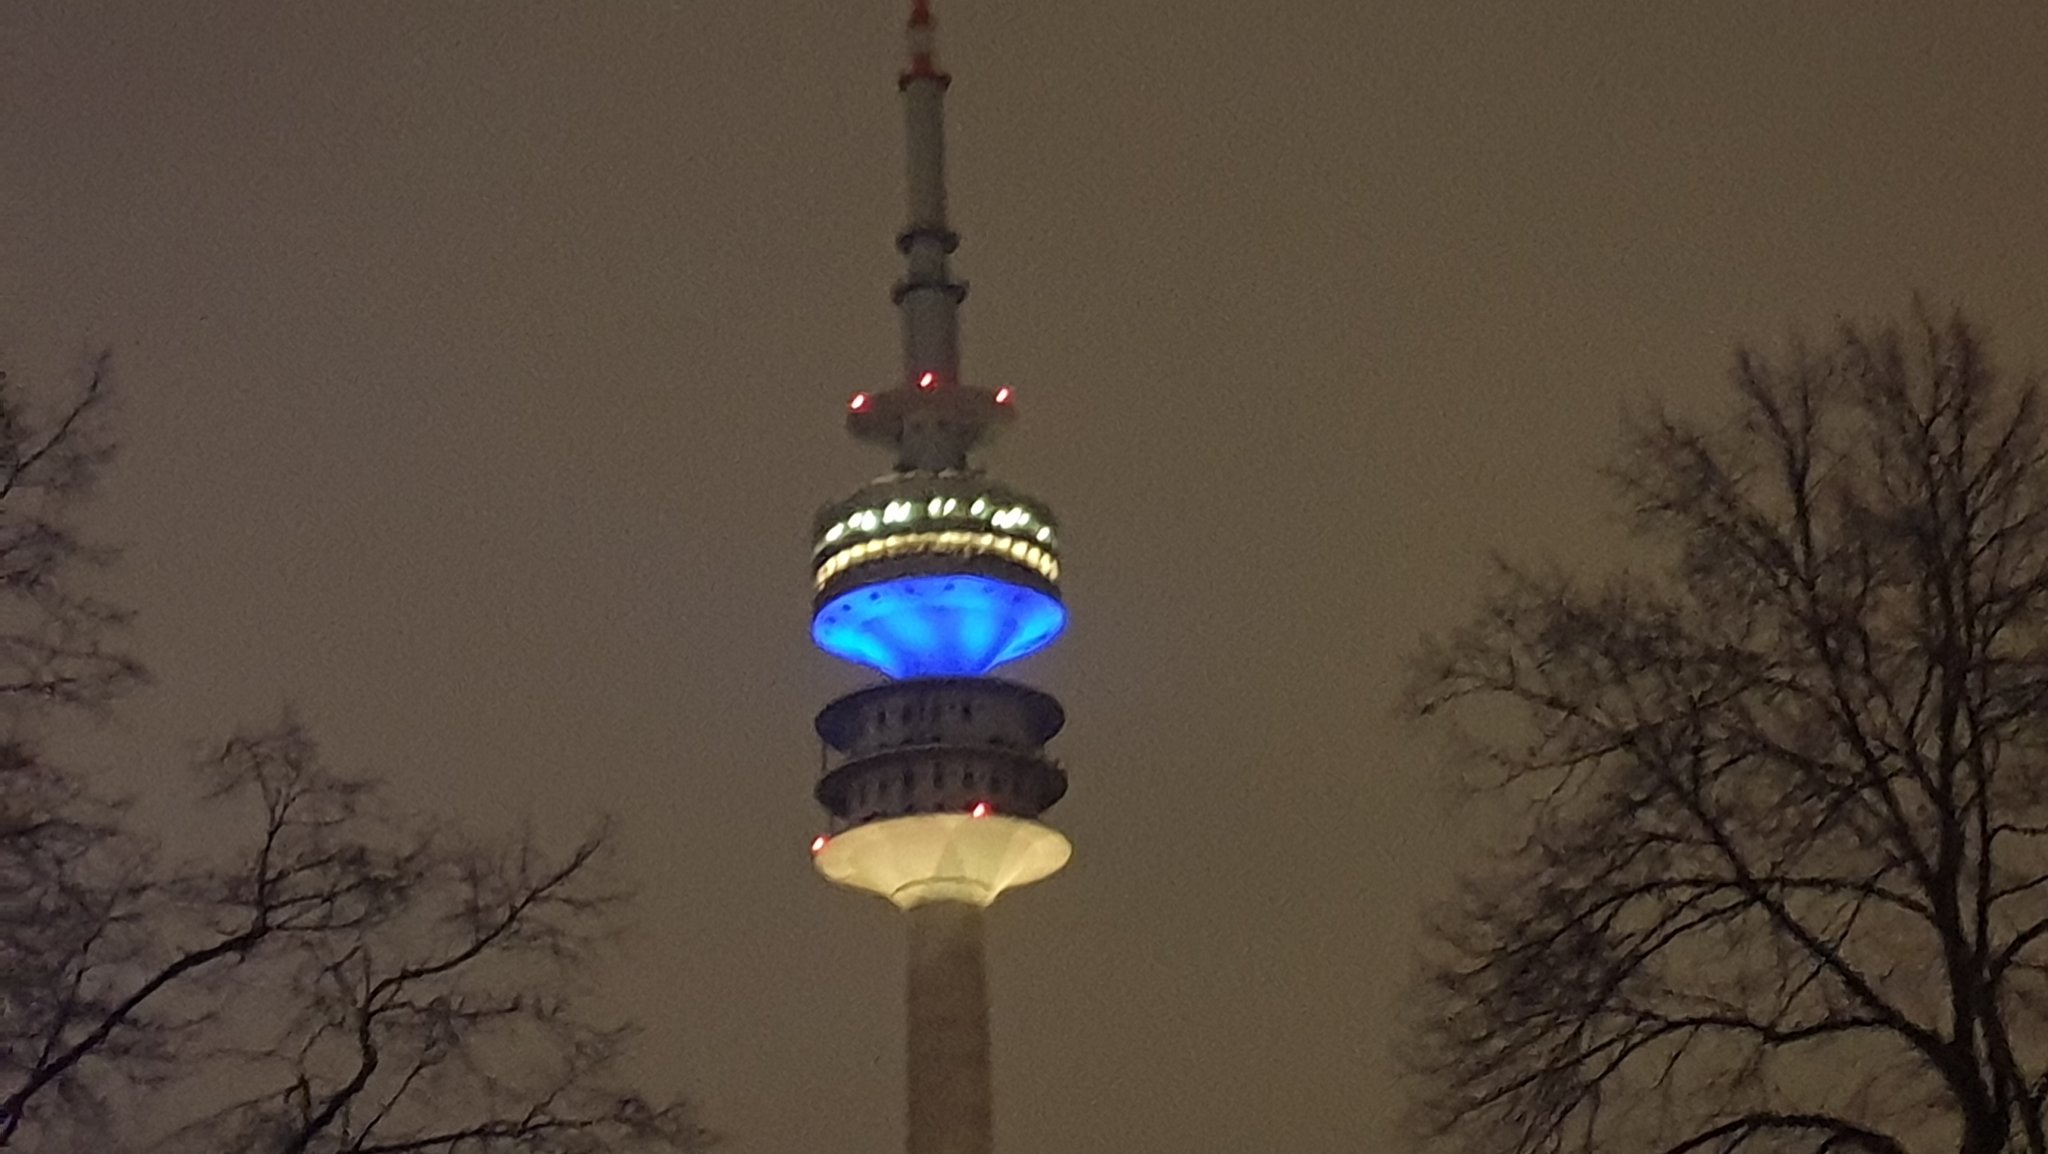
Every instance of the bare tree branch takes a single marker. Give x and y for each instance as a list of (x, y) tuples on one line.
[(333, 977), (1784, 879)]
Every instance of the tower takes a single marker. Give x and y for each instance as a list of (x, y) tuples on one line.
[(935, 575)]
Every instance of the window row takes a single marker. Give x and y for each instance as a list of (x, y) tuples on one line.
[(1024, 553), (1013, 518), (934, 790)]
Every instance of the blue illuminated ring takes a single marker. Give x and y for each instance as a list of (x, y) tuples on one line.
[(950, 625)]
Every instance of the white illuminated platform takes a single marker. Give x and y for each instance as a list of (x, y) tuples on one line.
[(954, 857)]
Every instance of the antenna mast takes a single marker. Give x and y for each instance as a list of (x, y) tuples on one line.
[(927, 297)]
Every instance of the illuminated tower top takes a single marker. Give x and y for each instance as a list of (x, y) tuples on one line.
[(933, 570)]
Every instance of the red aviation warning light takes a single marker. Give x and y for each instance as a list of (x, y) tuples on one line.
[(859, 402), (981, 809), (1003, 395), (819, 843), (928, 380)]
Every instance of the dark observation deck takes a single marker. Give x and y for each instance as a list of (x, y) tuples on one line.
[(969, 745)]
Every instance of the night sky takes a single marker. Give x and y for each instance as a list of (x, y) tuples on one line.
[(483, 363)]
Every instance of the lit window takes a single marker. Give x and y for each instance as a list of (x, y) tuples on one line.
[(1018, 549)]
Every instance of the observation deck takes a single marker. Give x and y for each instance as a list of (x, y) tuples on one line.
[(935, 574), (939, 745), (933, 785)]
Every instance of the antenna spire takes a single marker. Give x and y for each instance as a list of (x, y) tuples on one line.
[(931, 418), (920, 37), (928, 297)]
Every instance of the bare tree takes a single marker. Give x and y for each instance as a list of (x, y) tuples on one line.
[(339, 978), (1780, 873), (53, 633), (64, 855)]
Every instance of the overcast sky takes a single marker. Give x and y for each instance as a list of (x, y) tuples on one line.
[(484, 361)]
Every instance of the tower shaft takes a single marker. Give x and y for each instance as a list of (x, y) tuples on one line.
[(950, 1100)]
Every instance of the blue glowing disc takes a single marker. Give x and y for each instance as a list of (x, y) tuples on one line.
[(953, 625)]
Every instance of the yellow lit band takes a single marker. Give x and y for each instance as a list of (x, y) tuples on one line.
[(962, 542), (1009, 518)]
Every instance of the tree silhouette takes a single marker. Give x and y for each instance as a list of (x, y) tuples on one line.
[(1779, 879), (337, 978)]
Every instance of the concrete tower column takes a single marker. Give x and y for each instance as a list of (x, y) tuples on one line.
[(951, 1111)]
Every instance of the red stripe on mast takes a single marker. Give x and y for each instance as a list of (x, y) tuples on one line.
[(922, 64)]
